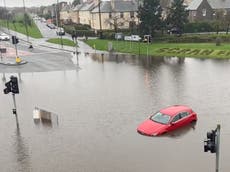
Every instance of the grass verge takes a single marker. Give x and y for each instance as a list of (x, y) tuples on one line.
[(198, 50), (66, 42), (33, 31)]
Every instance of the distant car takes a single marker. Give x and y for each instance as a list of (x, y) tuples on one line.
[(51, 26), (175, 30), (132, 38), (166, 120), (4, 37), (119, 36), (60, 31)]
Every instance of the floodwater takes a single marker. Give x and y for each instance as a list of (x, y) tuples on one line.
[(99, 108)]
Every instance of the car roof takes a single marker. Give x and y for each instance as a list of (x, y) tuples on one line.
[(173, 110)]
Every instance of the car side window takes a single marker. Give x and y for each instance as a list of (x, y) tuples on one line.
[(184, 114), (176, 118)]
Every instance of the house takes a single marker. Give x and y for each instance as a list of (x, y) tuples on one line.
[(206, 10), (85, 12), (114, 14), (65, 14), (74, 14)]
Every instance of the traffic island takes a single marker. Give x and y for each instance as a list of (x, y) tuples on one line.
[(16, 62)]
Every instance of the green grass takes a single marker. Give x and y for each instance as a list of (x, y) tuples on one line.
[(200, 50), (33, 31), (66, 42)]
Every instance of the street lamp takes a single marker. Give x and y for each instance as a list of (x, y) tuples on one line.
[(57, 23), (27, 32), (7, 19), (99, 10)]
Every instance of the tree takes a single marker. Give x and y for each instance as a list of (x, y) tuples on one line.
[(227, 21), (150, 16), (178, 16), (76, 2)]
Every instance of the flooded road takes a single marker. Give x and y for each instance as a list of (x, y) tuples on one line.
[(99, 108)]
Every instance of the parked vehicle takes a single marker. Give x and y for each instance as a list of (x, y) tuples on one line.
[(174, 30), (167, 119), (119, 36), (51, 26), (60, 31), (4, 37), (132, 38)]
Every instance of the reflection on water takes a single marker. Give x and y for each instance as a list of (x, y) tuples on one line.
[(180, 132), (21, 153), (146, 61), (44, 117)]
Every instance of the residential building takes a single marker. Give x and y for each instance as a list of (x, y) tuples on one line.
[(206, 10), (114, 14)]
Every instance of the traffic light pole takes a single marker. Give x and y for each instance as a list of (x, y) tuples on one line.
[(217, 147), (15, 109)]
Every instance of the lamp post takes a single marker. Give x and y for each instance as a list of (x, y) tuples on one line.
[(138, 7), (7, 20), (57, 23), (99, 10)]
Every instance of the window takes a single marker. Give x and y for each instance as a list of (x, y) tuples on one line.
[(176, 118), (121, 14), (184, 114), (160, 118), (194, 13), (131, 14), (204, 12)]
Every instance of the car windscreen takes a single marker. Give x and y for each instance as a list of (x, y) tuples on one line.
[(160, 118)]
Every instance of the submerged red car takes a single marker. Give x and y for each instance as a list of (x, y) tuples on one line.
[(166, 120)]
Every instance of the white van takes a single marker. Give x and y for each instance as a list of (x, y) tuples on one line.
[(132, 38)]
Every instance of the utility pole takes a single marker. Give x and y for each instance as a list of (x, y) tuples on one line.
[(26, 24), (57, 23), (7, 19), (139, 29), (99, 10)]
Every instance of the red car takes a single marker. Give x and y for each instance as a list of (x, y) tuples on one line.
[(166, 120)]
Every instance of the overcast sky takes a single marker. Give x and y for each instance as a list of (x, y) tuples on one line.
[(30, 3)]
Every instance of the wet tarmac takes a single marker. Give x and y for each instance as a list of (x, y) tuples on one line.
[(99, 108)]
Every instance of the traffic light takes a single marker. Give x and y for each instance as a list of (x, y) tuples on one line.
[(210, 143), (14, 85), (8, 87), (15, 40)]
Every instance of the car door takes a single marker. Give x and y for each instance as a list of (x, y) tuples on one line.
[(175, 122), (185, 118)]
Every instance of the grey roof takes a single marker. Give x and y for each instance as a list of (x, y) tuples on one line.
[(219, 4), (87, 6), (215, 4), (194, 5), (77, 7), (66, 8), (119, 6)]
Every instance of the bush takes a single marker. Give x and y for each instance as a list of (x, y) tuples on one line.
[(194, 38), (79, 30), (199, 27)]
